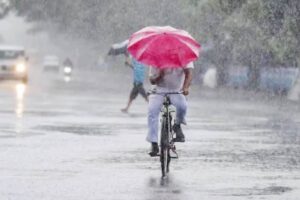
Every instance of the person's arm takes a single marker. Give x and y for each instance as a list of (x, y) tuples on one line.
[(187, 80), (128, 62), (155, 79)]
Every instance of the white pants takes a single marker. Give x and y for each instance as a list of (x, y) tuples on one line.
[(155, 105)]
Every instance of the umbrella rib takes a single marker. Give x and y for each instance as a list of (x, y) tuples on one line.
[(194, 48), (139, 38), (141, 52)]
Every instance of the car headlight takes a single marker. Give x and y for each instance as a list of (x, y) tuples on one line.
[(67, 69), (20, 68)]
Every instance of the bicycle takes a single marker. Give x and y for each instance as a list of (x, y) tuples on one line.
[(167, 134)]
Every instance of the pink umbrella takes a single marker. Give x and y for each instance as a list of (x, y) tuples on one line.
[(163, 46)]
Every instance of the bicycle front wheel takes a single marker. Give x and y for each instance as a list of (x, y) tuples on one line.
[(164, 150), (164, 161)]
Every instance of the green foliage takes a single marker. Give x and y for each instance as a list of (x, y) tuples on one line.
[(4, 8), (262, 31), (248, 32)]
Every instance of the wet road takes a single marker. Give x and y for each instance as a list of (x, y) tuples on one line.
[(68, 141)]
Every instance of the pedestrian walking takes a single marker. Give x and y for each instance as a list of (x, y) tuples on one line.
[(138, 81)]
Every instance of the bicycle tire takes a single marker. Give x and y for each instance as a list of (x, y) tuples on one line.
[(170, 137), (164, 150)]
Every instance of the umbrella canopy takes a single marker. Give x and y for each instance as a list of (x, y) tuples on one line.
[(118, 48), (163, 46)]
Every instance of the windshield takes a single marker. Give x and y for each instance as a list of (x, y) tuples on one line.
[(9, 54)]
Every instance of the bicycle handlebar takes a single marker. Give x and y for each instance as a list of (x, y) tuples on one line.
[(164, 93)]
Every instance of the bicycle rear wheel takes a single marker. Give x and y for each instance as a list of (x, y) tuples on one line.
[(164, 150)]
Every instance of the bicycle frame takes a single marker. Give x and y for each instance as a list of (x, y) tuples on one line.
[(166, 141)]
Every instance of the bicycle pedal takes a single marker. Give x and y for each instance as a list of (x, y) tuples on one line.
[(174, 155), (153, 155)]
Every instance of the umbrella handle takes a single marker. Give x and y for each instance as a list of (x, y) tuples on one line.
[(128, 64)]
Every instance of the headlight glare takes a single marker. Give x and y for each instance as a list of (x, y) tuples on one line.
[(67, 69), (20, 68)]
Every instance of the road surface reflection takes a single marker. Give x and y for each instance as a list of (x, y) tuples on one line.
[(20, 89), (67, 79)]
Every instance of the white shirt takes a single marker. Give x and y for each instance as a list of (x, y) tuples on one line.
[(172, 80)]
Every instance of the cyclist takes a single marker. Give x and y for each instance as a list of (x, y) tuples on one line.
[(168, 80), (68, 62)]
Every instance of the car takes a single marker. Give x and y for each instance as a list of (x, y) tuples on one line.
[(51, 64), (13, 63)]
